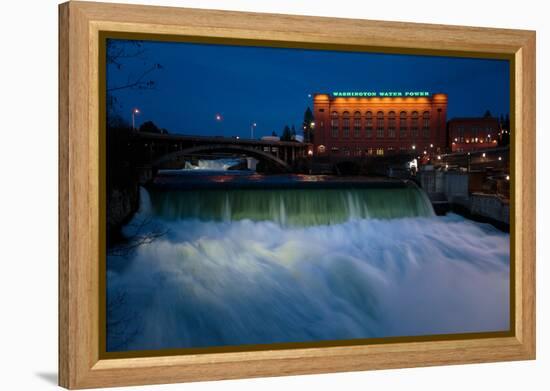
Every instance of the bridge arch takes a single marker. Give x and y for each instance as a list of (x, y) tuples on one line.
[(256, 153)]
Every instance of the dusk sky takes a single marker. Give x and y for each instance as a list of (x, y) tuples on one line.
[(270, 86)]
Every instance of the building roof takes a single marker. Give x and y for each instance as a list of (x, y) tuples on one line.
[(468, 119)]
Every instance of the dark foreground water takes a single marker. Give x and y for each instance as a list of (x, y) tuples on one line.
[(255, 266)]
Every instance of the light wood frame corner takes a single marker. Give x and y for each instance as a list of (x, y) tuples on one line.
[(80, 25)]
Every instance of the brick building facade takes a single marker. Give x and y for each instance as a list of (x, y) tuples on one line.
[(361, 124), (471, 134)]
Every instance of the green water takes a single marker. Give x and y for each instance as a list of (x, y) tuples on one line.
[(295, 207)]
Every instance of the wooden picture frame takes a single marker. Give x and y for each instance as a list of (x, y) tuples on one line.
[(80, 165)]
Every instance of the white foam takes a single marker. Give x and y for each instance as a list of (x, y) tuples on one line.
[(245, 282)]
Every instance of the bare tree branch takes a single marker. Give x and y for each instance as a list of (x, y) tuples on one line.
[(138, 82), (122, 324), (138, 239)]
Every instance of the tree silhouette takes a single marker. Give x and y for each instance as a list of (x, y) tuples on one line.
[(150, 127), (286, 136), (120, 54), (307, 126)]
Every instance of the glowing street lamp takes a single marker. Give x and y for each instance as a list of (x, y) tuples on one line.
[(218, 118), (414, 147), (252, 126), (135, 111), (312, 124)]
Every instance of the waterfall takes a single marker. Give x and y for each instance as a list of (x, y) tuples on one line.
[(213, 164), (259, 266), (145, 205), (295, 207)]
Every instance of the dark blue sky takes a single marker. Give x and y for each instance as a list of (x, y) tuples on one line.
[(270, 86)]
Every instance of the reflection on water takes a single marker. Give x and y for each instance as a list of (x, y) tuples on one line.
[(264, 266)]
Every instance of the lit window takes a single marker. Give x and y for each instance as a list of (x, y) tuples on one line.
[(380, 151), (391, 124), (368, 124), (403, 124), (345, 123), (357, 124), (461, 134), (380, 124), (414, 124), (426, 124), (334, 123)]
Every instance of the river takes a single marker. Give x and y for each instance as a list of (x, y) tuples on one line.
[(246, 259)]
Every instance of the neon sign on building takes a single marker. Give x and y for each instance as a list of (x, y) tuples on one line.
[(368, 94)]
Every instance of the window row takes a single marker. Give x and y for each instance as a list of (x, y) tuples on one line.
[(461, 134), (379, 121), (380, 114), (381, 131), (357, 151)]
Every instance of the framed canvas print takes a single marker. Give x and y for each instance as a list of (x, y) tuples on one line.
[(248, 195)]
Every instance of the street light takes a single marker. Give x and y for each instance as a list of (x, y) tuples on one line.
[(252, 126), (134, 112), (414, 147), (219, 128)]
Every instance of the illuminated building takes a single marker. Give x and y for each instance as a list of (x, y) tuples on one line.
[(379, 123), (471, 134)]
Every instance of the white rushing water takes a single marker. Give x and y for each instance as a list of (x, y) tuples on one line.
[(205, 283), (212, 164)]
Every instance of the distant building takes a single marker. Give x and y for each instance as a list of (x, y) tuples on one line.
[(270, 138), (379, 123), (473, 133)]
